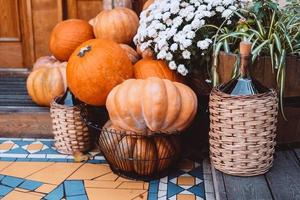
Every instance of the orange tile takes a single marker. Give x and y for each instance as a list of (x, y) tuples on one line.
[(186, 180), (24, 169), (34, 147), (101, 184), (143, 196), (90, 171), (107, 177), (21, 190), (146, 186), (56, 173), (186, 164), (186, 197), (4, 165), (6, 146), (16, 195), (115, 194), (132, 185), (46, 188)]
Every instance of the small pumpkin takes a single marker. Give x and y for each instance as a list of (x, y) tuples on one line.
[(118, 24), (110, 4), (148, 53), (154, 103), (95, 68), (146, 68), (165, 152), (131, 53), (46, 83), (124, 152), (144, 157), (147, 4), (67, 36)]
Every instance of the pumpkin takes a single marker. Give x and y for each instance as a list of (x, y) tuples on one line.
[(165, 152), (124, 152), (95, 68), (119, 25), (67, 36), (146, 68), (47, 61), (46, 83), (147, 4), (131, 53), (144, 157), (148, 53), (110, 4), (154, 103)]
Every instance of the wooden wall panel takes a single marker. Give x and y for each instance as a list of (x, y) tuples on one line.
[(45, 15), (83, 9), (9, 20), (11, 54)]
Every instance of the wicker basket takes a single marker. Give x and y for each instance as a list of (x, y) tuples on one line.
[(242, 132), (70, 132)]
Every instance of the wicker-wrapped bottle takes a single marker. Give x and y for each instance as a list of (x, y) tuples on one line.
[(70, 132), (110, 4), (243, 118)]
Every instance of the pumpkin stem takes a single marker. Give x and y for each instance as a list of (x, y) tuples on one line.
[(84, 50)]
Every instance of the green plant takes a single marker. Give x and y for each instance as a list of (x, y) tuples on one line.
[(274, 32)]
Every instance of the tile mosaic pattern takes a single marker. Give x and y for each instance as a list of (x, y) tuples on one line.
[(32, 169)]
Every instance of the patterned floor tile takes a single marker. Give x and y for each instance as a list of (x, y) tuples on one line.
[(33, 169)]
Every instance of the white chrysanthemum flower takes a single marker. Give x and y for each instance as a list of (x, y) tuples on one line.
[(204, 44), (182, 70), (162, 55), (174, 47), (172, 65), (169, 56), (226, 13), (186, 54)]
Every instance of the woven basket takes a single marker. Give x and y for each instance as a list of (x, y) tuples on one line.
[(70, 133), (242, 132)]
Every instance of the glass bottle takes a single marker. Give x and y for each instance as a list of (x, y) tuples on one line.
[(244, 84), (110, 4), (68, 99)]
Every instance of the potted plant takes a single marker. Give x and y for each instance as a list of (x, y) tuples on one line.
[(274, 32)]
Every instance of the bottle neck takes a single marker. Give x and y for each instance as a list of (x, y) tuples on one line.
[(245, 64)]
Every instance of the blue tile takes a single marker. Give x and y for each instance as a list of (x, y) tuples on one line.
[(30, 185), (4, 190), (173, 189), (47, 151), (18, 151), (176, 174), (39, 160), (153, 186), (73, 188), (152, 196), (11, 181), (80, 197), (22, 143), (197, 172), (23, 159), (56, 194), (197, 190), (1, 177)]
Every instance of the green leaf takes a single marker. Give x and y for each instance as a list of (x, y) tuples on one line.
[(258, 49), (271, 47), (281, 64), (261, 29), (281, 91), (277, 42)]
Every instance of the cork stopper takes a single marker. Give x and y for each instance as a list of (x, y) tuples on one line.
[(245, 48)]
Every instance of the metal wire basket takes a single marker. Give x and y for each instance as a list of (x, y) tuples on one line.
[(139, 156)]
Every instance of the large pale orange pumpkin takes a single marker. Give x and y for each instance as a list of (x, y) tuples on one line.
[(154, 103), (119, 25), (67, 36), (95, 68), (131, 53), (46, 83), (146, 68)]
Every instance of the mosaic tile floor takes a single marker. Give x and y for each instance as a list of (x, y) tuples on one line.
[(32, 169)]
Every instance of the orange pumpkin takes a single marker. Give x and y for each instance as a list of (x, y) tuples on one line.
[(67, 36), (146, 68), (46, 83), (95, 68), (132, 54), (157, 104), (147, 4), (119, 25)]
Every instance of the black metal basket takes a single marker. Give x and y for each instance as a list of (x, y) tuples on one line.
[(138, 156)]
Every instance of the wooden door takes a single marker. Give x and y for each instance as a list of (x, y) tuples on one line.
[(11, 54)]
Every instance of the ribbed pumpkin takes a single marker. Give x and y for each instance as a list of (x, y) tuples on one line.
[(47, 61), (146, 68), (147, 4), (131, 53), (118, 24), (157, 104), (46, 83), (147, 53), (67, 36), (95, 68)]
